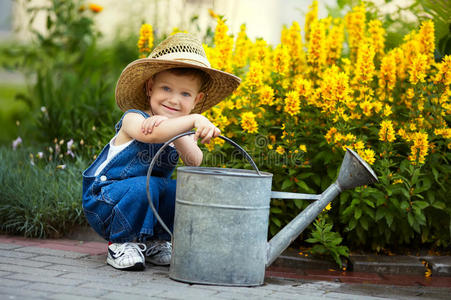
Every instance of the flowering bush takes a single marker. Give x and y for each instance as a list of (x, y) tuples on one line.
[(303, 102)]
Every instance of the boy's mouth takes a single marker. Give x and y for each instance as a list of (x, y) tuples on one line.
[(170, 108)]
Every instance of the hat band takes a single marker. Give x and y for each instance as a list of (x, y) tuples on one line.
[(188, 57)]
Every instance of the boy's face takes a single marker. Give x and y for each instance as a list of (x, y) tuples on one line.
[(173, 95)]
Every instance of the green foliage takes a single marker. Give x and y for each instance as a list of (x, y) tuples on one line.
[(40, 199), (327, 242), (397, 25), (71, 91)]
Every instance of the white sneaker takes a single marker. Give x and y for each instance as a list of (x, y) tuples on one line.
[(158, 252), (126, 256)]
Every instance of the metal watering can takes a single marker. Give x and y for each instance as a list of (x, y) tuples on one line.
[(222, 216)]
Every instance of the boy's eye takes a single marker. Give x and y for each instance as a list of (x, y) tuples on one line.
[(165, 88), (185, 94)]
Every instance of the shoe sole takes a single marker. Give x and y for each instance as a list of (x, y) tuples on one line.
[(157, 263), (135, 267)]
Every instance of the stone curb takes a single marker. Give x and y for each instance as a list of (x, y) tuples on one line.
[(395, 265)]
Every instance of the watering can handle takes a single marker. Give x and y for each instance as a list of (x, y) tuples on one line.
[(154, 160)]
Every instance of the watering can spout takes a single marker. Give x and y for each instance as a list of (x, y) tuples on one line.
[(354, 172)]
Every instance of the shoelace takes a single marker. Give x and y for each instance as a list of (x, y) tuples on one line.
[(160, 245), (139, 247)]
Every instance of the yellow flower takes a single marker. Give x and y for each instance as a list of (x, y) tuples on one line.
[(145, 41), (387, 75), (330, 134), (248, 122), (254, 77), (445, 132), (377, 33), (359, 145), (310, 17), (355, 24), (223, 46), (444, 71), (303, 87), (270, 146), (387, 133), (95, 8), (419, 148), (212, 13), (334, 43), (418, 69), (398, 181), (292, 103), (317, 46), (303, 148), (266, 94), (281, 60), (280, 150), (328, 206), (364, 69), (367, 155), (410, 93), (242, 47)]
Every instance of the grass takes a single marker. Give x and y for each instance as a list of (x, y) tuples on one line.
[(11, 110), (41, 200)]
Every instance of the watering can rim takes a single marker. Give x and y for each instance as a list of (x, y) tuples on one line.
[(223, 171), (364, 163)]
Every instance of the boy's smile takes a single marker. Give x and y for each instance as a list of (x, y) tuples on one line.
[(173, 95)]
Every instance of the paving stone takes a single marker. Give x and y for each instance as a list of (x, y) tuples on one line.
[(52, 252), (29, 270), (4, 282), (440, 265), (46, 279), (15, 293), (24, 262), (387, 264), (15, 254), (67, 261), (147, 291), (122, 296), (67, 290), (186, 293), (74, 297), (7, 246)]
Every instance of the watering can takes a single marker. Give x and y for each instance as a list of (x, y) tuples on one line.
[(222, 216)]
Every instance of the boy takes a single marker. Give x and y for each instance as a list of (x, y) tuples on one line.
[(162, 97)]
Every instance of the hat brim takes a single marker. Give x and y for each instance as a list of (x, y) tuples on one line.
[(130, 92)]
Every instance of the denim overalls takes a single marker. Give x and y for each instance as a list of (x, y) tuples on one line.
[(115, 201)]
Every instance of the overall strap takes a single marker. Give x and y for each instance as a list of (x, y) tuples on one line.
[(142, 113)]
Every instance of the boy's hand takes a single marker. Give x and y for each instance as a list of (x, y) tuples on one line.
[(205, 129), (151, 122)]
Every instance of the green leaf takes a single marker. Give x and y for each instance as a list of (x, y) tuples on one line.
[(276, 221), (317, 179), (380, 213), (410, 219), (357, 213), (298, 202), (438, 205), (276, 210), (404, 205), (364, 223), (286, 184), (389, 219), (304, 186), (421, 204)]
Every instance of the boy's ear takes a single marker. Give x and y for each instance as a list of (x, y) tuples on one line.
[(199, 97), (148, 86)]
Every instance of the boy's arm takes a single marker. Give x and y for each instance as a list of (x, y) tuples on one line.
[(187, 147), (132, 126)]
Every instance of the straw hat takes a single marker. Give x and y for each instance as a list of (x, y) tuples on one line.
[(177, 51)]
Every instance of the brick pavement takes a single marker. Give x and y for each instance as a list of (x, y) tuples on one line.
[(67, 269)]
